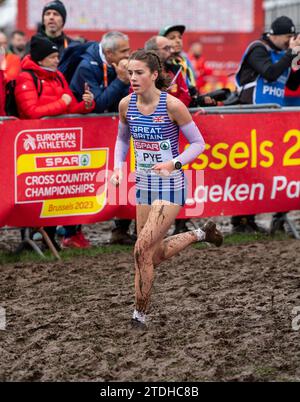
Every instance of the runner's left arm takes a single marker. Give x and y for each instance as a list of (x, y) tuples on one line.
[(181, 115)]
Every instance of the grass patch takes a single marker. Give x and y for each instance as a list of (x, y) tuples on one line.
[(266, 372), (243, 238), (66, 254), (69, 254), (247, 238)]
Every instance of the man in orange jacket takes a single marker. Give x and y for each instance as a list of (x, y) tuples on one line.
[(11, 64)]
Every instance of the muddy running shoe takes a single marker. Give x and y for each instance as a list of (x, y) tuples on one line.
[(212, 234), (136, 324)]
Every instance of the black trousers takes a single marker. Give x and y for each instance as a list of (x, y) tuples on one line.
[(122, 224)]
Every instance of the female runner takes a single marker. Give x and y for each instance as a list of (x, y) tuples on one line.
[(153, 118)]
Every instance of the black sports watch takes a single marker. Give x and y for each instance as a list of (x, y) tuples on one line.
[(177, 164)]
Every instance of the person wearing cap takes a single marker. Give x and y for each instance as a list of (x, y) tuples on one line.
[(54, 17), (265, 69), (174, 34), (263, 76), (48, 95)]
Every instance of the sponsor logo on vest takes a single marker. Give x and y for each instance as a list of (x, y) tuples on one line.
[(149, 146), (164, 145)]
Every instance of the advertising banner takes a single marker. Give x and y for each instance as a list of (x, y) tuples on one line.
[(57, 171)]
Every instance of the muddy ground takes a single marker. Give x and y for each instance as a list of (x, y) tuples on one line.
[(217, 315)]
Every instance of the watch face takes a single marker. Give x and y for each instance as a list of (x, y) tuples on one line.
[(178, 165)]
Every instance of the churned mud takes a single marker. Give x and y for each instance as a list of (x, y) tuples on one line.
[(216, 315)]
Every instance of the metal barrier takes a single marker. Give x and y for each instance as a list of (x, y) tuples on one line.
[(28, 241), (5, 118), (284, 219), (80, 116), (245, 109), (230, 109)]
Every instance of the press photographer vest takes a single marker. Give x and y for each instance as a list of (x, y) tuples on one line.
[(260, 90)]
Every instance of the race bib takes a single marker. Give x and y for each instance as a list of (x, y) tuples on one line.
[(149, 153)]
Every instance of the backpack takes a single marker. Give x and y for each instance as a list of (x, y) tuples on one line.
[(71, 57), (11, 108)]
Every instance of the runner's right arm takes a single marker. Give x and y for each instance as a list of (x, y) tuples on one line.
[(123, 137)]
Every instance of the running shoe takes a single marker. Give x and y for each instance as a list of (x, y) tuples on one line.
[(136, 324), (212, 234)]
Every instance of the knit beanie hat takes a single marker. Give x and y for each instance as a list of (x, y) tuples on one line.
[(41, 47), (282, 25), (57, 6)]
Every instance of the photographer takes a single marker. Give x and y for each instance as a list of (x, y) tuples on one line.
[(263, 75)]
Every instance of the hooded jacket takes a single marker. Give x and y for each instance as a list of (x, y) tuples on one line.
[(49, 103), (90, 70)]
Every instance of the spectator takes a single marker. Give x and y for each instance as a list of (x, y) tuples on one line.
[(263, 76), (18, 43), (177, 87), (52, 97), (197, 59), (104, 68), (174, 34), (2, 94), (11, 63), (54, 17), (265, 69), (2, 82)]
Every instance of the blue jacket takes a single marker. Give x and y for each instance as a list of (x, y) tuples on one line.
[(90, 70)]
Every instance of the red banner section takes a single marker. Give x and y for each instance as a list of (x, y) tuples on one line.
[(57, 171)]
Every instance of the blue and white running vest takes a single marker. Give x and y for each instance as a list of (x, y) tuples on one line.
[(155, 140), (263, 90)]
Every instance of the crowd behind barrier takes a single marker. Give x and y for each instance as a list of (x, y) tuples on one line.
[(255, 132), (109, 85), (269, 109)]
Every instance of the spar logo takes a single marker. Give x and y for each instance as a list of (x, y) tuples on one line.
[(147, 145), (84, 160), (164, 145), (29, 143)]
